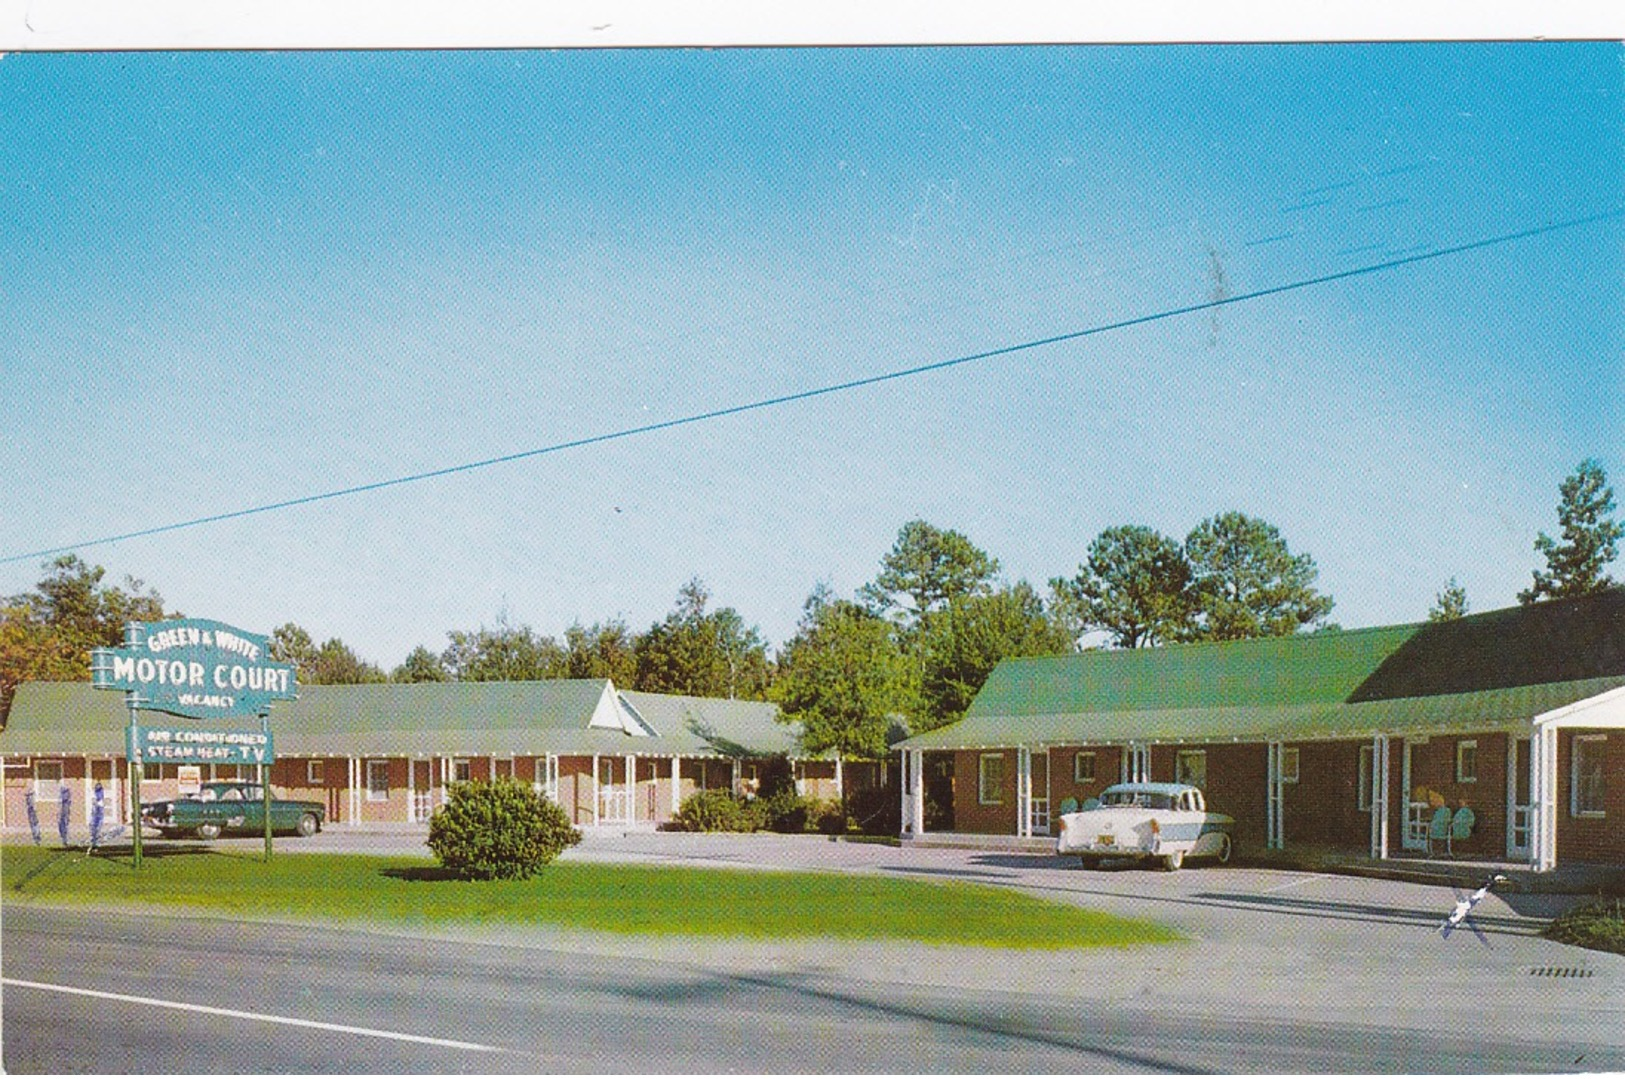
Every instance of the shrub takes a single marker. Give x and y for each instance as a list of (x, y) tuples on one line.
[(875, 810), (830, 818), (1599, 925), (784, 811), (500, 830), (715, 811)]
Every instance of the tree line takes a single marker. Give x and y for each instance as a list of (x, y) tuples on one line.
[(911, 647)]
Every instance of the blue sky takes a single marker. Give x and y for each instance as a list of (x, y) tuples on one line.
[(237, 278)]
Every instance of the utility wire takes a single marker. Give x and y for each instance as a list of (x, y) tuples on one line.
[(842, 387)]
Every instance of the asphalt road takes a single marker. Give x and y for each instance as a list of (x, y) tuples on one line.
[(1283, 972)]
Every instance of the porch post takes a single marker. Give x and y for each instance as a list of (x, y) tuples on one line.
[(631, 789), (736, 777), (905, 815), (1024, 791), (1543, 788), (676, 784), (838, 789), (86, 802), (595, 792), (1272, 796), (918, 771), (1379, 796), (798, 774)]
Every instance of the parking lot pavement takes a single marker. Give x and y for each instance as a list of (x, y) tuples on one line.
[(1261, 942)]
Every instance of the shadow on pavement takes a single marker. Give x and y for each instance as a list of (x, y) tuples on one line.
[(960, 1017), (1269, 904)]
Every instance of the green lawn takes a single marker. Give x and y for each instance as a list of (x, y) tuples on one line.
[(574, 895)]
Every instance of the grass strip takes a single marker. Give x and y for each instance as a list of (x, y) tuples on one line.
[(615, 898)]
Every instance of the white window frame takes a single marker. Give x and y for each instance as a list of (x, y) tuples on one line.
[(1461, 775), (496, 767), (1181, 771), (314, 772), (1078, 759), (372, 793), (1575, 809), (1363, 777), (982, 777), (42, 795), (462, 770), (1291, 764)]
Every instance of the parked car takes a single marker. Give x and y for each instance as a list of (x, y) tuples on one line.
[(1166, 821), (218, 808)]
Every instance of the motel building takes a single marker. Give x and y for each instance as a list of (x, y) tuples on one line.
[(1347, 741), (385, 755)]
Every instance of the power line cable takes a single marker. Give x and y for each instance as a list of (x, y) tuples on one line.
[(842, 387)]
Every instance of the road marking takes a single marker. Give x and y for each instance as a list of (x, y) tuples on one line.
[(1293, 884), (257, 1016)]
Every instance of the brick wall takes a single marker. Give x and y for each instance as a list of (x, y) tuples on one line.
[(970, 815), (1433, 766), (1592, 839), (1063, 782)]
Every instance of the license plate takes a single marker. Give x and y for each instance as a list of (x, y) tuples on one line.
[(1107, 840)]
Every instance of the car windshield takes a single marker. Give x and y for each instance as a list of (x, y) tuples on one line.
[(1143, 799)]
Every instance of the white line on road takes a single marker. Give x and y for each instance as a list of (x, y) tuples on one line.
[(1294, 883), (257, 1016)]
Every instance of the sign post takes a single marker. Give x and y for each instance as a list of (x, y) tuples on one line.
[(199, 669)]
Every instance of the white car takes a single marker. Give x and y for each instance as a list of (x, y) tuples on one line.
[(1166, 821)]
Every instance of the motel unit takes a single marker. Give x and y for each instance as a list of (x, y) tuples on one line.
[(387, 753), (1350, 740)]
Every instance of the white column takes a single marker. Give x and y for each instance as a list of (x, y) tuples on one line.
[(906, 814), (86, 802), (839, 790), (4, 786), (736, 777), (1272, 797), (595, 792), (676, 784), (918, 771), (1543, 792), (1380, 783), (1024, 792), (631, 789)]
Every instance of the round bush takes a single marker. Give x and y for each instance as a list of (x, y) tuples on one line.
[(715, 811), (500, 830)]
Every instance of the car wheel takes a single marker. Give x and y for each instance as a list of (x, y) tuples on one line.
[(307, 825), (208, 831), (1173, 860), (1226, 848)]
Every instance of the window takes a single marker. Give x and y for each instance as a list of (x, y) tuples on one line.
[(1467, 761), (1588, 786), (1083, 768), (502, 768), (47, 778), (1289, 764), (152, 770), (1190, 766), (313, 773), (460, 771), (1362, 784), (377, 781), (990, 779)]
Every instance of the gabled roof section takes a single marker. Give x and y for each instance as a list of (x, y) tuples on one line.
[(1498, 669), (732, 728), (565, 716)]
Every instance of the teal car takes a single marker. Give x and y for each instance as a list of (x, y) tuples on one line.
[(218, 808)]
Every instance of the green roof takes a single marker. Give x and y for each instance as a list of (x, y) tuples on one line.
[(426, 718), (1498, 669)]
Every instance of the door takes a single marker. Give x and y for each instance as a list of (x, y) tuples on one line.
[(939, 793), (612, 797), (422, 789), (1415, 836), (1520, 797), (1040, 793)]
